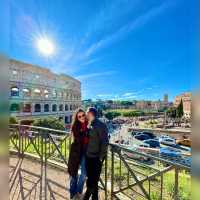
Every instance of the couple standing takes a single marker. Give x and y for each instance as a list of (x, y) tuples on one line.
[(88, 151)]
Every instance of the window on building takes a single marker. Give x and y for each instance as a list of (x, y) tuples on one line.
[(15, 107), (54, 108), (60, 107), (66, 107), (37, 76), (70, 118), (66, 119), (14, 91), (71, 107), (26, 92), (46, 108), (37, 92), (54, 94), (27, 108), (60, 94), (46, 93), (14, 72), (37, 108)]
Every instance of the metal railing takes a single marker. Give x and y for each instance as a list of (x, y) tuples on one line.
[(126, 174)]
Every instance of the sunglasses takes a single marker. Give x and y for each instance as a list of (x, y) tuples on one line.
[(81, 116)]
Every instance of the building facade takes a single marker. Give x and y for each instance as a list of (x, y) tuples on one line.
[(187, 102), (144, 105), (37, 92)]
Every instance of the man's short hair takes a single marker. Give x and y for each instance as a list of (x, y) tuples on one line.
[(93, 111)]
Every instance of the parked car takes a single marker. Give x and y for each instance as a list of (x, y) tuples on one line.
[(152, 143), (167, 151), (134, 156), (159, 126), (142, 137), (150, 134), (168, 141), (144, 145), (135, 133), (162, 137), (184, 142)]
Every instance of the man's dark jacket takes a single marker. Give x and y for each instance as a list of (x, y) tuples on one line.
[(98, 140)]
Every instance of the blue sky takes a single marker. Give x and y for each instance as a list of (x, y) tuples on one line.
[(118, 49)]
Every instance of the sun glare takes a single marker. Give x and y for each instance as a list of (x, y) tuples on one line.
[(45, 46)]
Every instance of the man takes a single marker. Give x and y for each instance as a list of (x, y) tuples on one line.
[(96, 153)]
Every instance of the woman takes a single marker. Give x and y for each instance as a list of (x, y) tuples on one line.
[(77, 153)]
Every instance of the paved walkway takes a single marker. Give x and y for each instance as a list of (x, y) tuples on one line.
[(27, 180)]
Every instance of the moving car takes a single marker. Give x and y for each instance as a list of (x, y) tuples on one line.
[(184, 142), (142, 137), (153, 143)]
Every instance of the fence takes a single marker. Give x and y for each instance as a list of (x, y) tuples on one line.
[(126, 174)]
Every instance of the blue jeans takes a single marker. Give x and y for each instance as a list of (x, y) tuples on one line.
[(77, 183)]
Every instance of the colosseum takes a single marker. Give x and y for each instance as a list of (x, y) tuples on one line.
[(37, 92)]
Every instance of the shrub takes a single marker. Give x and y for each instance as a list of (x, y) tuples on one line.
[(50, 122), (112, 114), (13, 120)]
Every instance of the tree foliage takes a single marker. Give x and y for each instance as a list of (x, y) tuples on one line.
[(50, 122), (179, 111), (131, 114), (13, 120), (112, 114), (126, 103), (171, 112)]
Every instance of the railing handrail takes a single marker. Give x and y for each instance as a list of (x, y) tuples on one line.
[(40, 128), (150, 156), (117, 146)]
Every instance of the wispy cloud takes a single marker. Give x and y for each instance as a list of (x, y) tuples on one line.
[(93, 75), (90, 61), (129, 94), (127, 28)]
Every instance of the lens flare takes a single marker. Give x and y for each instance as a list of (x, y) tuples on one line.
[(45, 46)]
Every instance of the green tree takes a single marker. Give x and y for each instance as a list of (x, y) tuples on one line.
[(112, 114), (131, 114), (126, 103), (171, 112), (50, 122), (179, 111), (13, 120)]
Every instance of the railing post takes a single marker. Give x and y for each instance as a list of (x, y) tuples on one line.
[(149, 187), (45, 164), (106, 178), (120, 173), (161, 192), (19, 135), (128, 180), (112, 172), (176, 194), (42, 164)]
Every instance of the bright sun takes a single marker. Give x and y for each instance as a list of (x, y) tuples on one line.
[(45, 46)]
